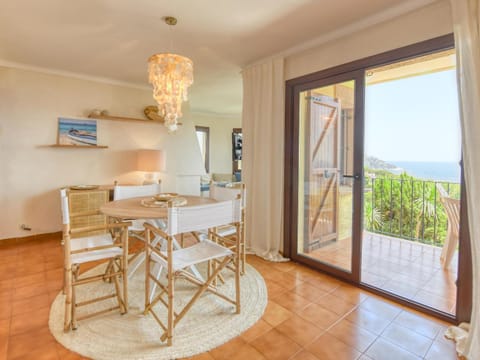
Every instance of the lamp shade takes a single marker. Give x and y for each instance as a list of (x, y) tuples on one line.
[(150, 160)]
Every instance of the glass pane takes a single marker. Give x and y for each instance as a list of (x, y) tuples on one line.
[(325, 158), (202, 141), (412, 180)]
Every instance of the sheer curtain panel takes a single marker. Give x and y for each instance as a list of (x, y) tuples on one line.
[(466, 22), (263, 132)]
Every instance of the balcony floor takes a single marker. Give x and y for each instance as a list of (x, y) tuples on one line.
[(409, 269)]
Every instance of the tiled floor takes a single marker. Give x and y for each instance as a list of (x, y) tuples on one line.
[(310, 316), (406, 268)]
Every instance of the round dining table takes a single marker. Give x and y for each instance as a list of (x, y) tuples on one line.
[(135, 208), (146, 209)]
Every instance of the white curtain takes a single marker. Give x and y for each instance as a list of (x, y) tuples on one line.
[(466, 20), (262, 168)]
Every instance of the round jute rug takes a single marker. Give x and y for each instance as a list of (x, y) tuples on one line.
[(208, 324)]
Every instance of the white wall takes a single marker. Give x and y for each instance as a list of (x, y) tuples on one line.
[(423, 24), (220, 139), (31, 174)]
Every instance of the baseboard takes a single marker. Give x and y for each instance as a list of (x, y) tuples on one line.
[(38, 237)]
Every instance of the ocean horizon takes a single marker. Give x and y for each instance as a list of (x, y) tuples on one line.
[(430, 170)]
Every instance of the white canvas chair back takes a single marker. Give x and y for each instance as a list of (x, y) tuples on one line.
[(452, 209), (221, 193), (195, 218), (64, 203), (184, 220), (129, 191)]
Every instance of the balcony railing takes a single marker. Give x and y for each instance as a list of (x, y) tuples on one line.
[(407, 208)]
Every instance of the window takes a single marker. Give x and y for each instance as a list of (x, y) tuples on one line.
[(203, 137)]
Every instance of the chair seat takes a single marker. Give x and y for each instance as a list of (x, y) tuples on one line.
[(226, 230), (95, 255), (198, 253), (137, 225), (91, 242)]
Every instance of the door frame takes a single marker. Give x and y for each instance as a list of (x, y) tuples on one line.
[(292, 86), (293, 143)]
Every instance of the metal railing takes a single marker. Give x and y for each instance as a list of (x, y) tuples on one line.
[(407, 208)]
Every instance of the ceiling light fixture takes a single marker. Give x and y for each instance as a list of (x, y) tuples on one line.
[(170, 75)]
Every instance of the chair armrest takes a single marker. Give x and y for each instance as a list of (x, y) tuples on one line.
[(100, 227)]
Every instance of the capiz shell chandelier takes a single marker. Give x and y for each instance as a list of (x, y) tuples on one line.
[(170, 75)]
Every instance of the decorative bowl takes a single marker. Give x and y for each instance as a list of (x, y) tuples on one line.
[(165, 196)]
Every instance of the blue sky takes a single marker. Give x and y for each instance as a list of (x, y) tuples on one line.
[(414, 119)]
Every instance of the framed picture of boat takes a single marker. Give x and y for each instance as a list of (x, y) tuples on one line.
[(77, 132)]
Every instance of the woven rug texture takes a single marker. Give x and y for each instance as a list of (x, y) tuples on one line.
[(209, 323)]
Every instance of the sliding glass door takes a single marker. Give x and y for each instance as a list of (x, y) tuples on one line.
[(365, 216), (329, 187)]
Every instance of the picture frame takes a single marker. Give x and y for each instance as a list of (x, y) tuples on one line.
[(77, 132)]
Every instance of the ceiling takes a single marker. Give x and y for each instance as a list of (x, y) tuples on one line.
[(112, 39)]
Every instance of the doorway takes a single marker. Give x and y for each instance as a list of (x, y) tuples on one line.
[(337, 208), (412, 181)]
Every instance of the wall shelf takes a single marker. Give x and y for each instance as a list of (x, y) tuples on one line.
[(76, 146), (121, 118)]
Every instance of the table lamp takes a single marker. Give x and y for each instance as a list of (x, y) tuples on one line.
[(151, 162)]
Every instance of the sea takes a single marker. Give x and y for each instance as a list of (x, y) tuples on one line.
[(65, 125), (444, 171)]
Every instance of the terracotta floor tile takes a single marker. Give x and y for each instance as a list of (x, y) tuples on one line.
[(407, 339), (29, 321), (65, 354), (46, 351), (352, 335), (326, 284), (382, 350), (260, 328), (6, 285), (247, 351), (28, 342), (335, 304), (30, 290), (4, 331), (381, 308), (350, 293), (54, 274), (419, 324), (28, 280), (275, 346), (327, 347), (227, 350), (292, 311), (30, 304), (440, 350), (309, 292), (274, 290), (319, 316), (276, 314), (283, 279), (5, 308), (442, 339), (368, 320), (304, 355), (292, 302), (299, 330), (284, 266)]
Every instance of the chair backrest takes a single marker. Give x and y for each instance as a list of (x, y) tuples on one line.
[(130, 191), (195, 218), (221, 193), (451, 206), (64, 203)]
